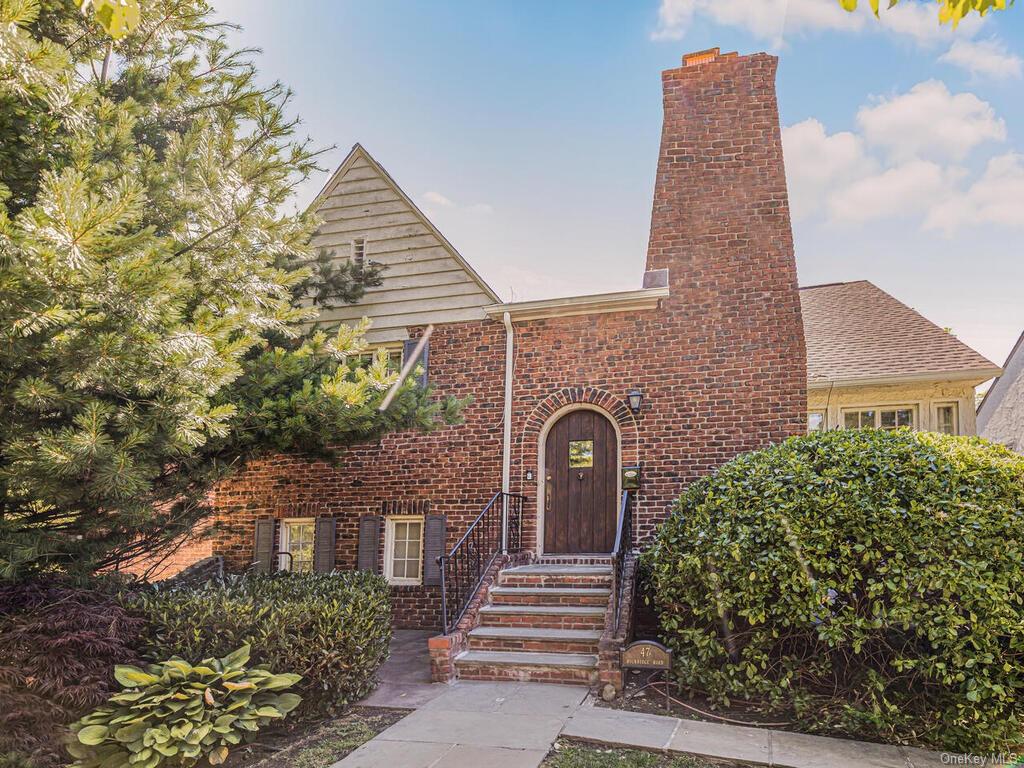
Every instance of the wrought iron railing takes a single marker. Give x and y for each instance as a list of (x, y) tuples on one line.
[(497, 529), (622, 550)]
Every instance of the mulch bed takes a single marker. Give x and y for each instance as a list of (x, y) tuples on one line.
[(313, 744)]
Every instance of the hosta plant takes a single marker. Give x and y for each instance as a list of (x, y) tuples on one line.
[(175, 714)]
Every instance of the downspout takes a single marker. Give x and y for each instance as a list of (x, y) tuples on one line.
[(506, 456)]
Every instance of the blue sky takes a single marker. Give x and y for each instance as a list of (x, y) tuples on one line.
[(529, 132)]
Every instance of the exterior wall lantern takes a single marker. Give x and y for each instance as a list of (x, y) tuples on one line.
[(636, 399)]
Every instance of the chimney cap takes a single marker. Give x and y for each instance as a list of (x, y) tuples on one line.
[(703, 57)]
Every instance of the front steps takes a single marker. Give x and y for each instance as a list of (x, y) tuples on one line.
[(543, 623)]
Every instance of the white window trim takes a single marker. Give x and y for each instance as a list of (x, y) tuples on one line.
[(285, 563), (955, 405), (824, 420), (389, 549), (913, 407)]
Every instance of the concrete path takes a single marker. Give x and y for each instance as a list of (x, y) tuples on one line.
[(405, 676), (734, 742), (514, 725)]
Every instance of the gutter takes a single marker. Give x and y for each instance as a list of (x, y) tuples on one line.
[(506, 445), (977, 375)]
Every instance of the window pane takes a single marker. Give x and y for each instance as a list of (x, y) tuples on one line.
[(816, 421), (850, 420), (905, 417), (946, 418), (888, 419), (581, 454), (400, 549)]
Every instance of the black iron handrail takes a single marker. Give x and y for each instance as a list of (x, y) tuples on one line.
[(622, 549), (498, 528)]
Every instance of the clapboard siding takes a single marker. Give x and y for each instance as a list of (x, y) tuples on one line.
[(424, 279)]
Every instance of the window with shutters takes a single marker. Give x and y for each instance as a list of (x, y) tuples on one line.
[(296, 550), (403, 550)]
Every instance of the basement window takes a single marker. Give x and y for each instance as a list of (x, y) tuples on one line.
[(403, 550), (816, 422)]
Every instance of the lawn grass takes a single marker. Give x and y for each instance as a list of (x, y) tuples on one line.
[(567, 754)]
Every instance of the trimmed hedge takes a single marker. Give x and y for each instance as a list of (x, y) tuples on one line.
[(866, 582), (333, 629)]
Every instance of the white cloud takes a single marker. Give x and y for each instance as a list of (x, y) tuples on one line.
[(919, 21), (929, 121), (817, 163), (997, 197), (989, 58), (908, 188), (434, 201), (766, 19)]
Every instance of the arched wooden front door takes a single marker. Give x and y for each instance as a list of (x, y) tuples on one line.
[(581, 468)]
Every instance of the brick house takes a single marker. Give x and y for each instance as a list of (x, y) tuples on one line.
[(574, 400)]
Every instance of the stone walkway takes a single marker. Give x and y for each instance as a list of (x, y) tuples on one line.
[(513, 725)]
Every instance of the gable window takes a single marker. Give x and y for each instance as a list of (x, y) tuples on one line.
[(359, 251), (947, 418), (816, 422), (403, 550), (891, 417), (296, 550)]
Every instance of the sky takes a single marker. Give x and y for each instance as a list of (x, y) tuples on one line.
[(528, 132)]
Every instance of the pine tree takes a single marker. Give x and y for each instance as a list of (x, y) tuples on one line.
[(158, 309)]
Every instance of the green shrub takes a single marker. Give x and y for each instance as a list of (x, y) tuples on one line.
[(174, 713), (333, 629), (867, 582)]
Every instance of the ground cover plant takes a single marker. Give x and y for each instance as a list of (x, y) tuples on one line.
[(176, 713), (332, 629), (861, 582)]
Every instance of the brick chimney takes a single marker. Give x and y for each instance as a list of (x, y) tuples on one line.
[(720, 225)]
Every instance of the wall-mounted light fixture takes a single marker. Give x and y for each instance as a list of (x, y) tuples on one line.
[(636, 399)]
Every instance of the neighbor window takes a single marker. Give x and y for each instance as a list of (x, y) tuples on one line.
[(394, 355), (403, 550), (359, 251), (816, 421), (879, 418), (946, 419), (296, 550)]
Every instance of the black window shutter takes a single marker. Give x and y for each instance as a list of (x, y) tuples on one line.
[(433, 548), (324, 544), (263, 544), (369, 543), (408, 347)]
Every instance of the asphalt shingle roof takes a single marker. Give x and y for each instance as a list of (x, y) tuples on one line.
[(858, 331)]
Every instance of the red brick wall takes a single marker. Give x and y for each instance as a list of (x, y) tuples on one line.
[(721, 362)]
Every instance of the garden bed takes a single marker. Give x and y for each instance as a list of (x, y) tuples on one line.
[(314, 744), (577, 754)]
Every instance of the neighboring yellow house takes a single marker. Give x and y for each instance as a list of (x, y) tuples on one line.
[(872, 361)]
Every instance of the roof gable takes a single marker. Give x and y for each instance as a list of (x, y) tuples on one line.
[(425, 279), (1001, 413), (856, 332)]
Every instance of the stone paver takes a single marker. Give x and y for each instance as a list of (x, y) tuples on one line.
[(405, 676), (798, 750), (483, 729), (732, 742), (608, 726)]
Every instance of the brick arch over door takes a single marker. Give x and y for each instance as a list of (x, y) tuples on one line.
[(529, 444)]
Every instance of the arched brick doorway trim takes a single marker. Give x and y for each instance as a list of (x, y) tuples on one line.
[(531, 443)]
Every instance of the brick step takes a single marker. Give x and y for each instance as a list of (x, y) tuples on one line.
[(534, 639), (543, 616), (533, 595), (578, 668), (566, 576), (575, 560)]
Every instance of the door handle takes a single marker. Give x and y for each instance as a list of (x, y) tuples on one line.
[(547, 493)]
